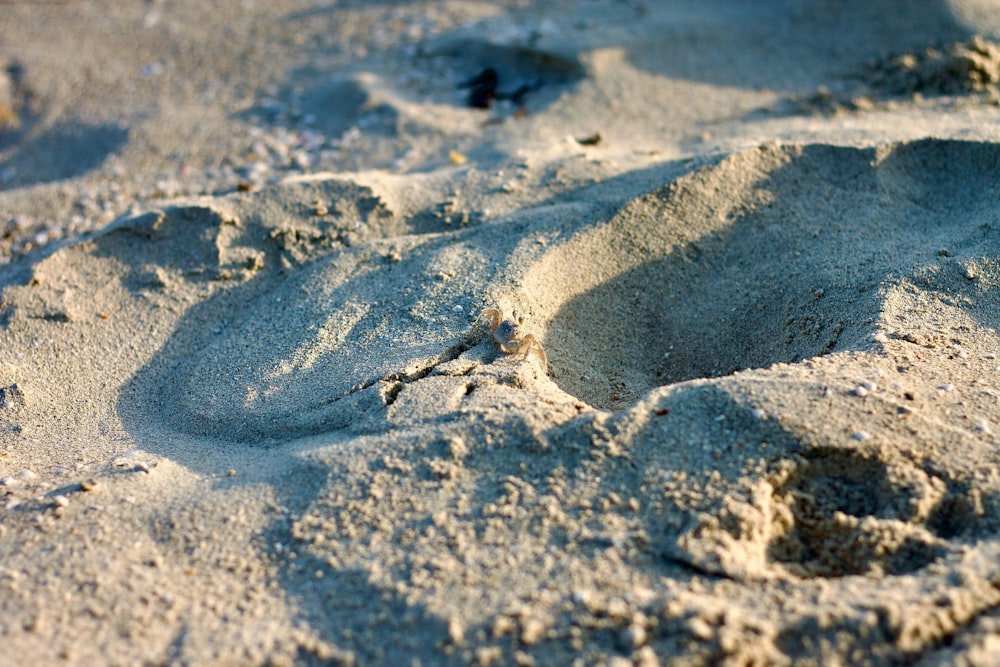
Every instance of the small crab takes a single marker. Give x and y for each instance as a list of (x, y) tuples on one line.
[(507, 337)]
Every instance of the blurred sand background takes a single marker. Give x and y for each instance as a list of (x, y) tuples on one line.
[(247, 416)]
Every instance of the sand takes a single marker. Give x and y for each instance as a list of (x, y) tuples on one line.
[(249, 415)]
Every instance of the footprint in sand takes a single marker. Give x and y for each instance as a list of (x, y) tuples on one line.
[(778, 254)]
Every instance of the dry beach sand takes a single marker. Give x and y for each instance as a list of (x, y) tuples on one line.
[(246, 416)]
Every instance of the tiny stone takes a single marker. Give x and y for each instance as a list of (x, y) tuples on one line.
[(983, 425), (646, 657), (634, 636), (503, 625), (860, 390), (946, 387), (456, 631), (522, 659), (230, 473), (488, 655), (532, 631), (127, 458), (89, 484), (700, 628), (61, 500), (880, 338), (457, 448), (861, 436), (26, 476)]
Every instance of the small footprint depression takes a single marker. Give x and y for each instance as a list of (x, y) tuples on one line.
[(778, 254), (851, 514)]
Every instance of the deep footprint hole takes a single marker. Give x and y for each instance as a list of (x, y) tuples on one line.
[(776, 255)]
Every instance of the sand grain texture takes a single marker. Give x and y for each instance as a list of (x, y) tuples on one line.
[(247, 415)]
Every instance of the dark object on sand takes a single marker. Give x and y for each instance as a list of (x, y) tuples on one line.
[(483, 89)]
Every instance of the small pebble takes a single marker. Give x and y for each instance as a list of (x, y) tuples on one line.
[(633, 637), (983, 425), (532, 631), (523, 659), (138, 459), (60, 500), (700, 628), (946, 387), (456, 631), (880, 338), (861, 436), (860, 390), (457, 448)]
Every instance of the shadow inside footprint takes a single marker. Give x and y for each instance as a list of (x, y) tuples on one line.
[(772, 256)]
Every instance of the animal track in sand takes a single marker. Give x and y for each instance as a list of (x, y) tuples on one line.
[(777, 254), (852, 514)]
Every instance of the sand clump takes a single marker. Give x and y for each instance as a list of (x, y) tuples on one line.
[(972, 66), (957, 70)]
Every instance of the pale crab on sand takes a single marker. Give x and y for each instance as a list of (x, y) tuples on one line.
[(507, 336)]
